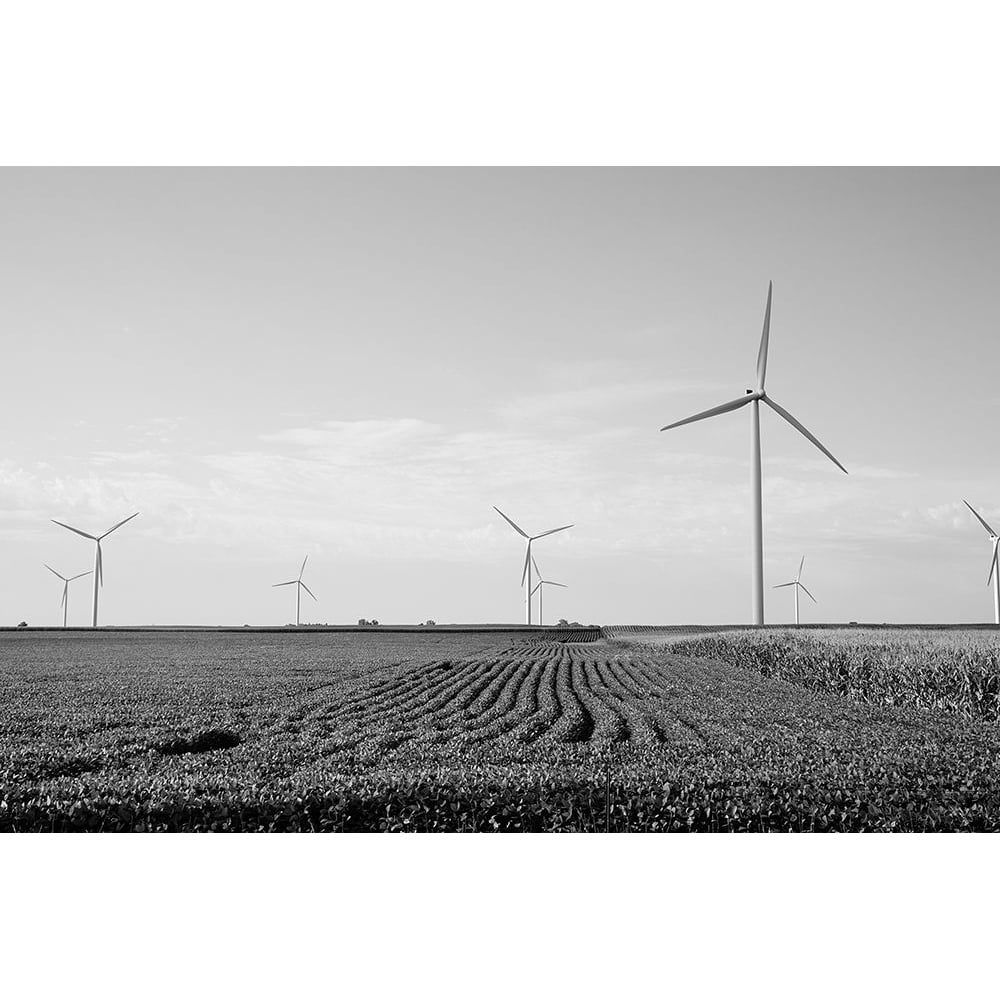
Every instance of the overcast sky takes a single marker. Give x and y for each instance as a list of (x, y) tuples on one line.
[(357, 364)]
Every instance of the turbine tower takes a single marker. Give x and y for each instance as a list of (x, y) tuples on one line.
[(797, 584), (300, 586), (754, 397), (540, 588), (64, 604), (98, 564), (994, 574), (526, 574)]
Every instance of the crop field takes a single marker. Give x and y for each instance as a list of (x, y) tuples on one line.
[(477, 731), (951, 670)]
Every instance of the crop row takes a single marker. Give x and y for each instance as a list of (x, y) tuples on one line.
[(552, 692), (574, 635)]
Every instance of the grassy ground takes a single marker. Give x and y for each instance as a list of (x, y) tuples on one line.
[(460, 731)]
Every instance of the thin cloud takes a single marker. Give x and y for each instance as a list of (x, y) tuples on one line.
[(348, 438), (587, 401)]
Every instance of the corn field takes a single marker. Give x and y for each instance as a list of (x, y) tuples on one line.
[(952, 671)]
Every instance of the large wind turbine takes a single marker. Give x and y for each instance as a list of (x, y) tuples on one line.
[(754, 397), (66, 582), (994, 571), (797, 584), (526, 574), (300, 586), (98, 565)]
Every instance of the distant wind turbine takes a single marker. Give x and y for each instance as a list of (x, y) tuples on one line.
[(300, 586), (797, 584), (66, 582), (994, 576), (526, 573), (754, 397), (98, 564), (540, 587)]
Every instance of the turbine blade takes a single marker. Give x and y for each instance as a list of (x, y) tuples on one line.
[(119, 524), (527, 556), (813, 599), (536, 586), (307, 590), (301, 571), (779, 585), (63, 601), (510, 522), (100, 564), (93, 538), (784, 413), (551, 531), (552, 583), (979, 519), (801, 564), (537, 570), (51, 570), (762, 352), (78, 575), (287, 583), (993, 562), (734, 404)]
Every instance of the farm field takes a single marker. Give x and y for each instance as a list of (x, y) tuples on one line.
[(480, 731), (954, 670)]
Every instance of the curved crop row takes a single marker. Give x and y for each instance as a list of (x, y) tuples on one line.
[(539, 691)]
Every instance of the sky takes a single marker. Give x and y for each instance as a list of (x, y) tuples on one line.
[(357, 364)]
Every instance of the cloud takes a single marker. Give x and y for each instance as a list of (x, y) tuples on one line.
[(358, 440), (404, 487), (145, 458), (587, 402), (161, 429)]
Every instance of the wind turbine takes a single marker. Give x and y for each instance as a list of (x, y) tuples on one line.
[(797, 583), (526, 574), (754, 397), (98, 564), (994, 571), (540, 588), (300, 586), (64, 604)]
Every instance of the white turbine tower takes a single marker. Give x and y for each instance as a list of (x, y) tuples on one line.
[(797, 584), (994, 577), (64, 604), (754, 397), (300, 586), (540, 587), (526, 574), (98, 564)]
